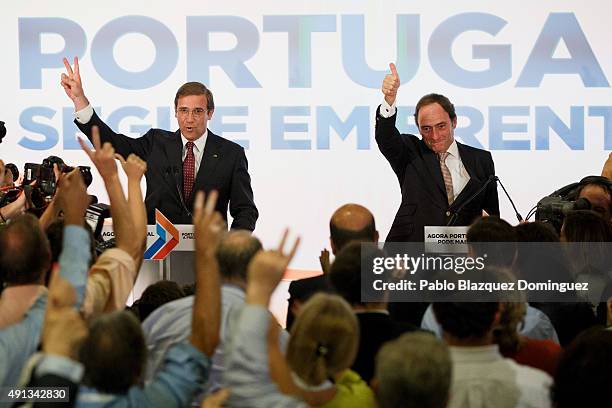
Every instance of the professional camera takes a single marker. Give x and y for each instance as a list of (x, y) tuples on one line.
[(45, 177), (95, 216), (40, 193), (554, 207)]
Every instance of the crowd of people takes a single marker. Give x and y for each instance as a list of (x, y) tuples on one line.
[(64, 324)]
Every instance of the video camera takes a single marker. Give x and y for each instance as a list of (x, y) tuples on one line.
[(553, 208)]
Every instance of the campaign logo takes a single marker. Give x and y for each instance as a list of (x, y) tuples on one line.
[(168, 238)]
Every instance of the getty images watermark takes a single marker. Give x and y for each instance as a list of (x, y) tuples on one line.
[(542, 272)]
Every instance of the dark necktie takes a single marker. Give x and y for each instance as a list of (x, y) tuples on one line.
[(188, 172), (448, 180)]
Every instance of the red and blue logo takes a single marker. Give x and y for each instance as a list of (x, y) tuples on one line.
[(168, 238)]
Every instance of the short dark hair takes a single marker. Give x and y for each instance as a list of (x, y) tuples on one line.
[(114, 354), (441, 100), (536, 231), (586, 226), (466, 319), (583, 373), (234, 253), (345, 271), (499, 238), (24, 251), (195, 88), (342, 236), (55, 235), (157, 294)]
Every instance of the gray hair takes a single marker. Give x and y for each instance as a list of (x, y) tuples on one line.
[(413, 371)]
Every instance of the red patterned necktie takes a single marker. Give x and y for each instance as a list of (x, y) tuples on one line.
[(448, 180), (188, 171)]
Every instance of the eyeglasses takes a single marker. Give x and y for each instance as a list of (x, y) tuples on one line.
[(197, 112)]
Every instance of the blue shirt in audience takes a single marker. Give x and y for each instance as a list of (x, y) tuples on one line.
[(536, 325), (20, 341), (247, 372), (171, 323)]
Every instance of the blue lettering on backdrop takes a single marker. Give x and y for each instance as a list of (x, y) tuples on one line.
[(115, 118), (27, 122), (221, 127), (499, 57), (279, 127), (358, 119), (299, 30), (467, 134), (582, 61), (546, 119), (605, 112), (353, 50), (497, 128), (31, 58), (200, 58), (166, 55)]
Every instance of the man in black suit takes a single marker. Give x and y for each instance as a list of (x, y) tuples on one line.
[(437, 175), (376, 325), (182, 162)]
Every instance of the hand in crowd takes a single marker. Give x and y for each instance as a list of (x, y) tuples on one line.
[(64, 328), (266, 271), (607, 168), (208, 227), (390, 85), (324, 261), (72, 197), (134, 166), (103, 157), (216, 399), (71, 82), (208, 224)]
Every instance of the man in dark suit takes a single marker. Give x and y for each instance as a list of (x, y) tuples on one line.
[(437, 175), (376, 325), (182, 162)]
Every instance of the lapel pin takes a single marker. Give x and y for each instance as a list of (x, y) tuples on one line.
[(215, 155)]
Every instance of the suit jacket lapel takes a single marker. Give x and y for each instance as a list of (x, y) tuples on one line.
[(432, 165), (474, 183), (174, 154), (210, 159)]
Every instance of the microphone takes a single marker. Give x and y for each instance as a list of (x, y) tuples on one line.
[(174, 171), (491, 179), (519, 217)]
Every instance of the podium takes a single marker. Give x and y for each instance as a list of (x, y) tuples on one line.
[(169, 255)]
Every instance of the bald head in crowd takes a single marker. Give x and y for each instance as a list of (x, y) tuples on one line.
[(351, 222), (235, 251)]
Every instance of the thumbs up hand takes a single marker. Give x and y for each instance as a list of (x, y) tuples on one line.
[(390, 85)]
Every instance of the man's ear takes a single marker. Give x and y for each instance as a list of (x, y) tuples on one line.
[(333, 246), (210, 114), (454, 123)]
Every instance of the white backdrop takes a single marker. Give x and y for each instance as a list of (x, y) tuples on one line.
[(299, 82)]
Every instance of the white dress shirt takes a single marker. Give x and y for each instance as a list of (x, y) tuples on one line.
[(453, 161), (198, 149)]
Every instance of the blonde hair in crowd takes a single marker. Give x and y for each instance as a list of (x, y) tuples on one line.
[(324, 339)]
